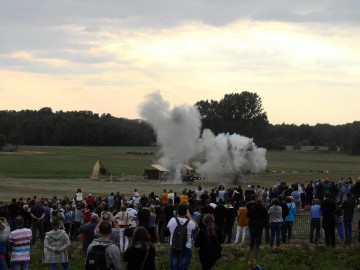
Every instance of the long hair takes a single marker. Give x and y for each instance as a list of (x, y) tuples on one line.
[(208, 221), (141, 237)]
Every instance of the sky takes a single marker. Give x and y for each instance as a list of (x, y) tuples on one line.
[(301, 57)]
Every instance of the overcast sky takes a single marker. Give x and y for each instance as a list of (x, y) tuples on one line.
[(301, 57)]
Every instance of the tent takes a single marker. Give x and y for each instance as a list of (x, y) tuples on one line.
[(100, 173), (156, 171)]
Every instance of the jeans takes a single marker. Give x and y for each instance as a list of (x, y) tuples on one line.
[(37, 225), (255, 236), (180, 262), (64, 265), (228, 232), (348, 230), (124, 240), (287, 228), (240, 230), (340, 230), (20, 265), (275, 228), (315, 225)]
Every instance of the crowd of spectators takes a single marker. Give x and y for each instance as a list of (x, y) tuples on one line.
[(209, 215)]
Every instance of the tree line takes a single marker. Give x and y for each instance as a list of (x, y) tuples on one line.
[(83, 128), (240, 113), (243, 113)]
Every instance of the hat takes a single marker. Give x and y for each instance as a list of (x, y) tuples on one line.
[(249, 186)]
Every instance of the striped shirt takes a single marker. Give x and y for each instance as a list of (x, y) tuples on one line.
[(20, 239)]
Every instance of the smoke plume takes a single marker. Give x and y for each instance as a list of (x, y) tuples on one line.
[(178, 135)]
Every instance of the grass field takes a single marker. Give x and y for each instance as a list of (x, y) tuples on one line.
[(49, 171), (299, 256)]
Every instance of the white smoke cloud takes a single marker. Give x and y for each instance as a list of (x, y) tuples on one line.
[(177, 131), (178, 135), (230, 154)]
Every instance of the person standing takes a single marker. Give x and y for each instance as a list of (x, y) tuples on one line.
[(181, 261), (37, 215), (19, 245), (348, 207), (4, 242), (112, 252), (315, 215), (276, 220), (229, 221), (141, 253), (257, 216), (55, 247), (220, 216), (242, 223), (123, 219), (328, 208), (208, 243), (289, 220)]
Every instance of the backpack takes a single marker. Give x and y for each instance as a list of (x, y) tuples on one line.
[(96, 258), (180, 237)]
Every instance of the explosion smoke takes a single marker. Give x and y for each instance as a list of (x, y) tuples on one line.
[(178, 135)]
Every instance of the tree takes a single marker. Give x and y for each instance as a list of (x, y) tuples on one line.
[(2, 141), (355, 147), (236, 113), (15, 138)]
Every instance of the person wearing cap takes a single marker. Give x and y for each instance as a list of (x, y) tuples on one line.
[(88, 231)]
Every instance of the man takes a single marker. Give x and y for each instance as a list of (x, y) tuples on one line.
[(144, 215), (315, 214), (181, 261), (37, 213), (19, 244), (258, 216), (164, 197), (171, 195), (348, 207), (112, 252), (88, 230), (220, 216), (328, 208), (230, 216), (14, 211), (253, 265)]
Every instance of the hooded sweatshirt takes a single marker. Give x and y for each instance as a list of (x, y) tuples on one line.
[(56, 240), (112, 253)]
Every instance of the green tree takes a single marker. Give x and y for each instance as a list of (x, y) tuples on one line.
[(355, 147), (2, 141), (15, 138)]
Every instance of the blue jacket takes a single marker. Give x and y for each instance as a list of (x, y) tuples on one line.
[(292, 212)]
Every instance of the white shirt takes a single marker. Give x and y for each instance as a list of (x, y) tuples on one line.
[(171, 196), (79, 196), (198, 194), (190, 227), (133, 213)]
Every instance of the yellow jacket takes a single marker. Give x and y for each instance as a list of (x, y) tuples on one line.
[(242, 219)]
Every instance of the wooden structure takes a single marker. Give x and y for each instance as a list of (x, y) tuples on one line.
[(100, 173), (156, 171)]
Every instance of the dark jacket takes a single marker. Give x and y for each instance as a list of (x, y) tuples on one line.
[(328, 208), (257, 215), (135, 256), (209, 246)]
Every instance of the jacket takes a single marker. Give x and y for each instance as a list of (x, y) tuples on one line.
[(242, 219), (112, 253), (56, 240), (135, 256)]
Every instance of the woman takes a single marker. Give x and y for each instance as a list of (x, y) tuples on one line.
[(141, 253), (276, 221), (123, 219), (208, 243), (242, 223), (4, 241), (55, 247)]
